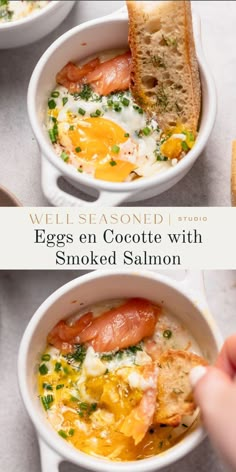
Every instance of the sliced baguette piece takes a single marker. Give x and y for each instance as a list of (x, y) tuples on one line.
[(174, 392), (165, 77)]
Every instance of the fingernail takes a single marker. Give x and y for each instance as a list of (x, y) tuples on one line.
[(196, 374)]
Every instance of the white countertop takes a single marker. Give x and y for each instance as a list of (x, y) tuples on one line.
[(20, 295), (207, 184)]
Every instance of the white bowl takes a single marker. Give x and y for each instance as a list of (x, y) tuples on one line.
[(186, 300), (78, 43), (33, 27)]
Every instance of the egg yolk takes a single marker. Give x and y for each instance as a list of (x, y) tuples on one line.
[(96, 138)]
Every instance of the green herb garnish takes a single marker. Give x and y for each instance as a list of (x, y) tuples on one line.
[(158, 61), (78, 355), (59, 386), (162, 98), (112, 163), (80, 169), (57, 367), (138, 109), (51, 104), (64, 101), (71, 432), (64, 156), (169, 41), (95, 114), (115, 149), (47, 401), (125, 101), (146, 131), (62, 434), (55, 94), (78, 149), (46, 357), (184, 146), (71, 128), (47, 386), (81, 111), (126, 135), (43, 370), (86, 92)]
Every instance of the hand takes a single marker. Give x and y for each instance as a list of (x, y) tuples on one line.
[(215, 393)]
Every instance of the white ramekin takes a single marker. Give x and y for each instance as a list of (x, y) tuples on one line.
[(185, 299), (33, 27), (80, 42)]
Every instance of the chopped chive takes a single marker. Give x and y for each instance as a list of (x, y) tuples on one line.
[(115, 149), (73, 399), (66, 370), (112, 163), (47, 401), (64, 101), (138, 109), (95, 114), (184, 146), (80, 413), (71, 432), (46, 357), (64, 156), (57, 367), (62, 434), (167, 333), (117, 107), (47, 386), (59, 386), (125, 101), (80, 170), (78, 149), (81, 111), (51, 104), (107, 357), (83, 406), (146, 131), (71, 128), (52, 136), (55, 94), (43, 369), (110, 102), (191, 137), (53, 119), (93, 406), (126, 135)]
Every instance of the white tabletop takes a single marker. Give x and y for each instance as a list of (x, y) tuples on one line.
[(207, 184), (20, 295)]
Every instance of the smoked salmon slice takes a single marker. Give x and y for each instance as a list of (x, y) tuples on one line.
[(117, 328), (111, 76), (62, 335), (104, 77)]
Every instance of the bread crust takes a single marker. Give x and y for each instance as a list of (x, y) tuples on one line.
[(174, 395), (165, 77)]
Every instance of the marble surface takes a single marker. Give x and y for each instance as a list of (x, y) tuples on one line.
[(20, 295), (207, 184)]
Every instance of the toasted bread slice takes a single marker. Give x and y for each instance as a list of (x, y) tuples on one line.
[(164, 76), (174, 390)]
